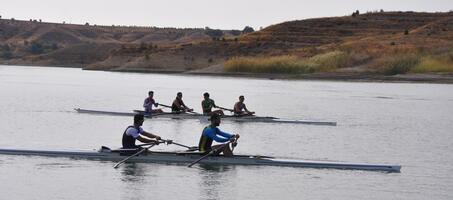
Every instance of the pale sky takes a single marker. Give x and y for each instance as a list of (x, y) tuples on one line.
[(232, 14)]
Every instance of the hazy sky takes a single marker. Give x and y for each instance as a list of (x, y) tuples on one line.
[(232, 14)]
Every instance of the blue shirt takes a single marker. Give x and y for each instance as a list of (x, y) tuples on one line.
[(216, 134)]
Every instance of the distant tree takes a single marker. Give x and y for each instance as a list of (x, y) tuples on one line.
[(214, 33), (26, 42), (356, 13), (235, 32), (235, 39), (0, 16), (40, 20), (87, 24), (12, 19), (147, 56), (223, 39), (406, 32), (248, 29), (210, 60), (382, 10)]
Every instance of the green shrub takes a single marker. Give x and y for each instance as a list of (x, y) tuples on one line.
[(400, 64)]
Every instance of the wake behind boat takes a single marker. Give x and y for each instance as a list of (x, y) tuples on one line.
[(202, 117), (189, 157)]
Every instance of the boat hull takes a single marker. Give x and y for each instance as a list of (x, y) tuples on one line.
[(188, 157), (256, 119)]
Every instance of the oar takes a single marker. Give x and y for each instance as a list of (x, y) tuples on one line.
[(167, 106), (210, 153), (135, 154), (231, 110), (163, 105), (194, 148)]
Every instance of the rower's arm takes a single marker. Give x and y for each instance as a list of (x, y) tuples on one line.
[(225, 134), (248, 111), (150, 135), (144, 140), (211, 134), (245, 108), (184, 105)]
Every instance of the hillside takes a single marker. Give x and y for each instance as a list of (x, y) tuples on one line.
[(385, 43), (39, 43)]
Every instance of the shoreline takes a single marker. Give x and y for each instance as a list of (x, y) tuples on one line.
[(437, 78), (343, 77)]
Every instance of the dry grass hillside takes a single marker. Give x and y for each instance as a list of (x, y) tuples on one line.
[(384, 43), (38, 43)]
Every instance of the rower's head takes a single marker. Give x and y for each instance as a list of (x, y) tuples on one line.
[(241, 98), (179, 95), (150, 93), (215, 119), (206, 95), (138, 119)]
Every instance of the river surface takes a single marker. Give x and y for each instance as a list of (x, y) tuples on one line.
[(392, 123)]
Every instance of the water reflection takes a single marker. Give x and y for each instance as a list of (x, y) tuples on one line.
[(215, 168), (133, 176), (133, 172), (214, 180)]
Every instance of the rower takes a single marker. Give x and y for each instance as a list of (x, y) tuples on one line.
[(149, 103), (213, 133), (178, 105), (207, 104), (240, 109), (136, 132)]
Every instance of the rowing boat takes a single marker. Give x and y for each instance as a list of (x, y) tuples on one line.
[(202, 117), (188, 157)]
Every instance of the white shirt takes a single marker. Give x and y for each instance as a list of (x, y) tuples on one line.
[(132, 131)]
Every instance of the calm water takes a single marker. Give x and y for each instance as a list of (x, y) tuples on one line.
[(395, 123)]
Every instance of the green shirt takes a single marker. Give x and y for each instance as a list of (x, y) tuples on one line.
[(207, 105)]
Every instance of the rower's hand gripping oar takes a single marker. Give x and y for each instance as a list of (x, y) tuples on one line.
[(135, 154)]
